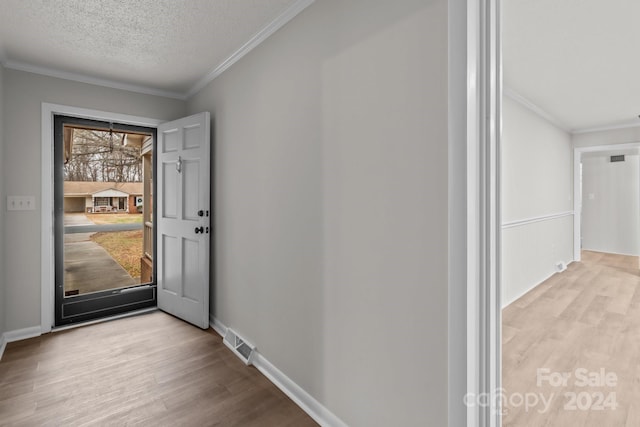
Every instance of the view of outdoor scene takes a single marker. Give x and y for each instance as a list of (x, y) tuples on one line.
[(107, 210)]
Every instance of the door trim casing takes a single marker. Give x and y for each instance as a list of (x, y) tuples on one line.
[(108, 302), (483, 231), (47, 262)]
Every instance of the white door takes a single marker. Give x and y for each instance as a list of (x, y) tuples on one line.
[(183, 218)]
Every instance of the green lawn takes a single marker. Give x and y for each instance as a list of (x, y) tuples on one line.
[(123, 246)]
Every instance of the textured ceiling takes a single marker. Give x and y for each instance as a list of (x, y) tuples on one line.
[(167, 45), (575, 59)]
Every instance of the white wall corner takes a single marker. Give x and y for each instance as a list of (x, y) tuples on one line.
[(217, 326), (3, 345), (300, 397), (287, 15), (22, 334)]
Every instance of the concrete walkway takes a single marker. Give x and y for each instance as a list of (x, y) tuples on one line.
[(88, 267), (76, 219)]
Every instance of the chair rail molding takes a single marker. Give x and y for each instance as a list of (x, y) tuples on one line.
[(533, 220)]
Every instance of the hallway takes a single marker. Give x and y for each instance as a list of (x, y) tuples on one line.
[(583, 322)]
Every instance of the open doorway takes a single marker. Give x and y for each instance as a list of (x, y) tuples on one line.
[(104, 249), (569, 251), (609, 206)]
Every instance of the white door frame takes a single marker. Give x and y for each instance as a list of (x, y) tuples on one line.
[(47, 264), (483, 231), (577, 191)]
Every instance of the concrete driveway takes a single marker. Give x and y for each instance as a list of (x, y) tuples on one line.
[(88, 266), (79, 223), (72, 219)]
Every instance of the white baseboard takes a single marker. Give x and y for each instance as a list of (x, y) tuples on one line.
[(217, 326), (304, 400), (23, 334), (17, 335), (300, 397), (516, 298), (3, 345)]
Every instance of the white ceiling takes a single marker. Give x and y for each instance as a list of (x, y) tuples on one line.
[(169, 47), (575, 59)]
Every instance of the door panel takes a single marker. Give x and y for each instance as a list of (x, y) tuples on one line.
[(190, 185), (183, 218), (169, 179)]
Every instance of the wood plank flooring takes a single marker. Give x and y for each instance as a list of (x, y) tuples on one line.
[(151, 369), (587, 317)]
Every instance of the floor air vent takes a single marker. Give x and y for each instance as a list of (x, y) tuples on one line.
[(240, 347)]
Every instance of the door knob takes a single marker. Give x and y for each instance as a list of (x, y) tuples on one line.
[(200, 212), (199, 229)]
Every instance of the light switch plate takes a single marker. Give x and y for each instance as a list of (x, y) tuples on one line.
[(21, 203)]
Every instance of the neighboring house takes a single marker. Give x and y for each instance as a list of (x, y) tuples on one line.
[(81, 196)]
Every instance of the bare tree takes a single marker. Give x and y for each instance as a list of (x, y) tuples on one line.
[(103, 156)]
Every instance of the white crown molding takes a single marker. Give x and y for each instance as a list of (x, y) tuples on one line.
[(510, 93), (20, 66), (515, 96), (615, 126), (286, 16), (300, 397)]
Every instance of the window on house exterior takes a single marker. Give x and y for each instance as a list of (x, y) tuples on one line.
[(101, 201)]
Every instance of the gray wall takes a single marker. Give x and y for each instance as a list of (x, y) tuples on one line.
[(457, 110), (23, 97), (536, 181), (331, 206), (2, 207)]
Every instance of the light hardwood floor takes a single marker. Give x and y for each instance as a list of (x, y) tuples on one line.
[(587, 317), (146, 370)]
